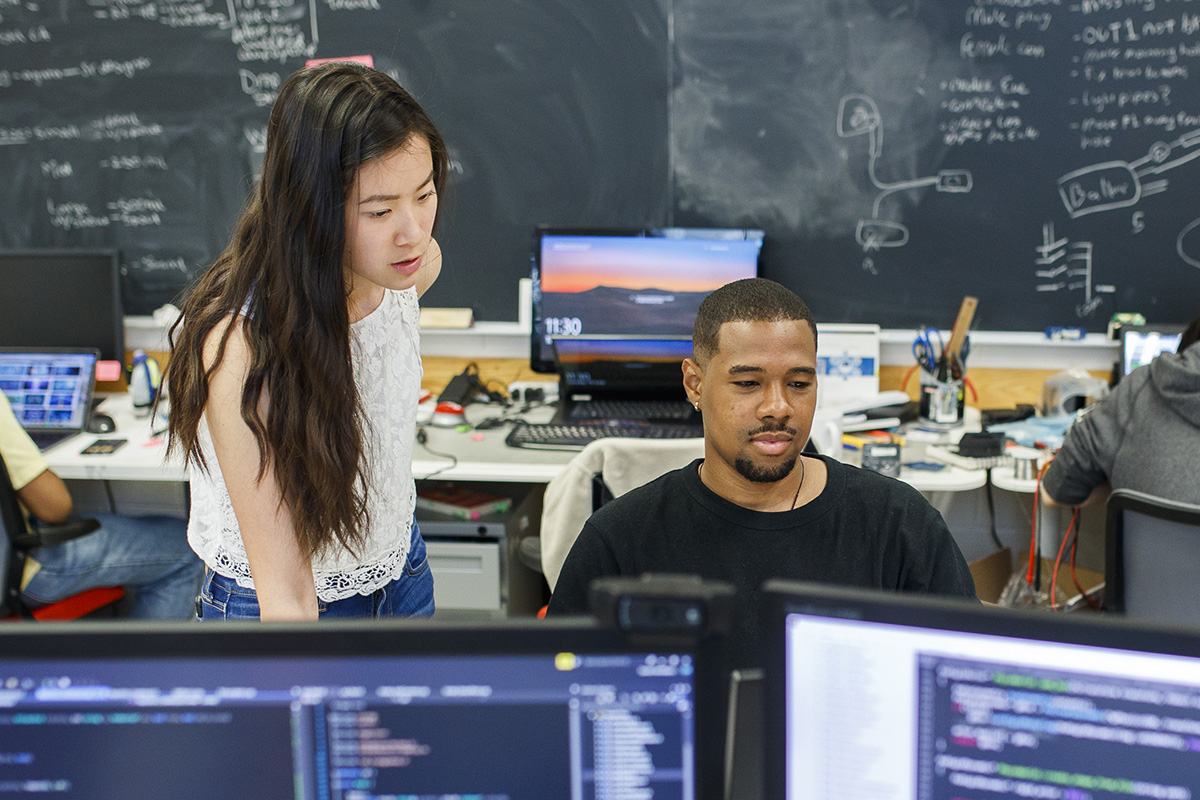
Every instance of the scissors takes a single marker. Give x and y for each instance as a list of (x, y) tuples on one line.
[(928, 348)]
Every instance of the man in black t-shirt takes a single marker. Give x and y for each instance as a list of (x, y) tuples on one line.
[(754, 507)]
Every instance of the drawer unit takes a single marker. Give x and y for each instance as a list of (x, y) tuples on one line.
[(466, 575)]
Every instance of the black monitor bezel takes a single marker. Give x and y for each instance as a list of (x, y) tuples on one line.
[(117, 342), (548, 366), (782, 597), (177, 641)]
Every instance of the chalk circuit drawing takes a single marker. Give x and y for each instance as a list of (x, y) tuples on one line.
[(858, 115), (1188, 243), (1064, 265), (1119, 184)]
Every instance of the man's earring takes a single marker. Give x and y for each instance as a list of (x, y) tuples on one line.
[(696, 405)]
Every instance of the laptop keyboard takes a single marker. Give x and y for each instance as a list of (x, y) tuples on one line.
[(576, 437), (666, 410), (47, 439)]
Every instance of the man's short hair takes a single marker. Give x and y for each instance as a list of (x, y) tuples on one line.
[(747, 300)]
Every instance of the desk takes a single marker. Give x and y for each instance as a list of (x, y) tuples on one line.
[(141, 459), (482, 456), (138, 479)]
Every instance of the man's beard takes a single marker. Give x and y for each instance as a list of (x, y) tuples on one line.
[(753, 472)]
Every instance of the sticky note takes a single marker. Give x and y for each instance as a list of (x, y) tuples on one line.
[(108, 371)]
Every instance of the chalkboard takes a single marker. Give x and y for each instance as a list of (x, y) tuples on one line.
[(140, 124), (899, 154)]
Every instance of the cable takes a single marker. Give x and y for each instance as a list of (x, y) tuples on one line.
[(991, 504), (1091, 603), (422, 439), (1033, 576), (1058, 561)]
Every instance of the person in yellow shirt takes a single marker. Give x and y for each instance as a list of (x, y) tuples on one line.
[(149, 556)]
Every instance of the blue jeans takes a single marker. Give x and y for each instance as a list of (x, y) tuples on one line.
[(410, 595), (147, 555)]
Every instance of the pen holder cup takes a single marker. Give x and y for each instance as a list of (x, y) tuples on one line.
[(942, 402)]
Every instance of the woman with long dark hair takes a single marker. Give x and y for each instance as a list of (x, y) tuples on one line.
[(295, 368)]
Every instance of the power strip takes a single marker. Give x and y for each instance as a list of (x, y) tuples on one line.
[(527, 391)]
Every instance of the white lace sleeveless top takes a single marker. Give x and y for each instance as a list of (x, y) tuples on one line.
[(385, 353)]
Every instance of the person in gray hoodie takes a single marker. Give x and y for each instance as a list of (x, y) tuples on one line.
[(1145, 435)]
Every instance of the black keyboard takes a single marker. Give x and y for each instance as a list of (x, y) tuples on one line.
[(575, 437), (656, 410)]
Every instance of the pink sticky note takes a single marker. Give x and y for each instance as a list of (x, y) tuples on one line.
[(108, 370), (367, 60)]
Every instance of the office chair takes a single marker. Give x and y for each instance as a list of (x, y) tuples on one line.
[(19, 539), (1152, 558), (604, 469)]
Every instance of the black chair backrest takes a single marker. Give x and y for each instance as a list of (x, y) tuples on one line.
[(601, 494), (1152, 558), (12, 561)]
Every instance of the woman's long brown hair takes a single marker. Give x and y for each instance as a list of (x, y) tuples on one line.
[(283, 265)]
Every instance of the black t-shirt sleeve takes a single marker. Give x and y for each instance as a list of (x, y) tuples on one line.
[(934, 563), (590, 558)]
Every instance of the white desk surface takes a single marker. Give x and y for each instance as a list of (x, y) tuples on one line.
[(481, 455), (140, 459), (1005, 478)]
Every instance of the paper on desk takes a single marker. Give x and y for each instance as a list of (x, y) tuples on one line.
[(892, 397)]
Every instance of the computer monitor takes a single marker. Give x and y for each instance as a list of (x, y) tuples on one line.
[(897, 697), (62, 298), (626, 362), (352, 710), (1140, 344), (630, 282)]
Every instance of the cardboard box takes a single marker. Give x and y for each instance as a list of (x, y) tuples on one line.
[(991, 574)]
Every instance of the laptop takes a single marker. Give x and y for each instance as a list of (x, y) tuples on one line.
[(49, 389), (899, 697), (354, 709), (623, 378)]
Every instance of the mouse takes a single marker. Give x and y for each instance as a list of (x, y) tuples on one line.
[(447, 415), (101, 423)]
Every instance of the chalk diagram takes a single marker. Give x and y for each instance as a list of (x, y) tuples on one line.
[(1066, 265), (1119, 184), (1112, 185), (858, 115), (1187, 245)]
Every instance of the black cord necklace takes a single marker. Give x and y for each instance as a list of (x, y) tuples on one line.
[(796, 499)]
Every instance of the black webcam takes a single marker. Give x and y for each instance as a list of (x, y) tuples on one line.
[(663, 602)]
